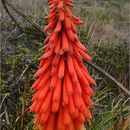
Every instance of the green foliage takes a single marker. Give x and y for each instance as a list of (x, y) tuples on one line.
[(116, 56)]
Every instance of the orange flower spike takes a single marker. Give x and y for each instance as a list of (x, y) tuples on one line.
[(62, 90)]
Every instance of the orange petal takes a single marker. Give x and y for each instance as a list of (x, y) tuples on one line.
[(57, 91), (44, 80), (44, 90), (86, 56), (58, 26), (87, 100), (60, 119), (71, 107), (53, 81), (65, 45), (67, 23), (43, 69), (35, 84), (37, 118), (61, 68), (46, 102), (76, 99), (89, 78), (68, 12), (66, 115), (77, 68), (51, 122), (61, 15), (71, 35), (45, 116), (60, 5), (43, 127), (68, 83), (55, 106), (56, 60), (58, 46), (33, 106), (73, 27), (65, 94), (70, 65)]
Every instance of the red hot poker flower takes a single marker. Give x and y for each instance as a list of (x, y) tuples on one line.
[(62, 89)]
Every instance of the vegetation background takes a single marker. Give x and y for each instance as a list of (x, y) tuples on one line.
[(105, 34)]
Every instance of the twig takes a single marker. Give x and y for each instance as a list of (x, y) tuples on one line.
[(4, 2), (24, 103), (7, 116), (108, 76), (23, 73)]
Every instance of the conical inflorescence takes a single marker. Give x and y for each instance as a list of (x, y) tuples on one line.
[(62, 89)]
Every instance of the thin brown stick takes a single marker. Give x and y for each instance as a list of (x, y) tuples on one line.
[(23, 73), (108, 76), (24, 101)]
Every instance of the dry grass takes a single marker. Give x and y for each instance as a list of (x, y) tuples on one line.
[(108, 21)]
